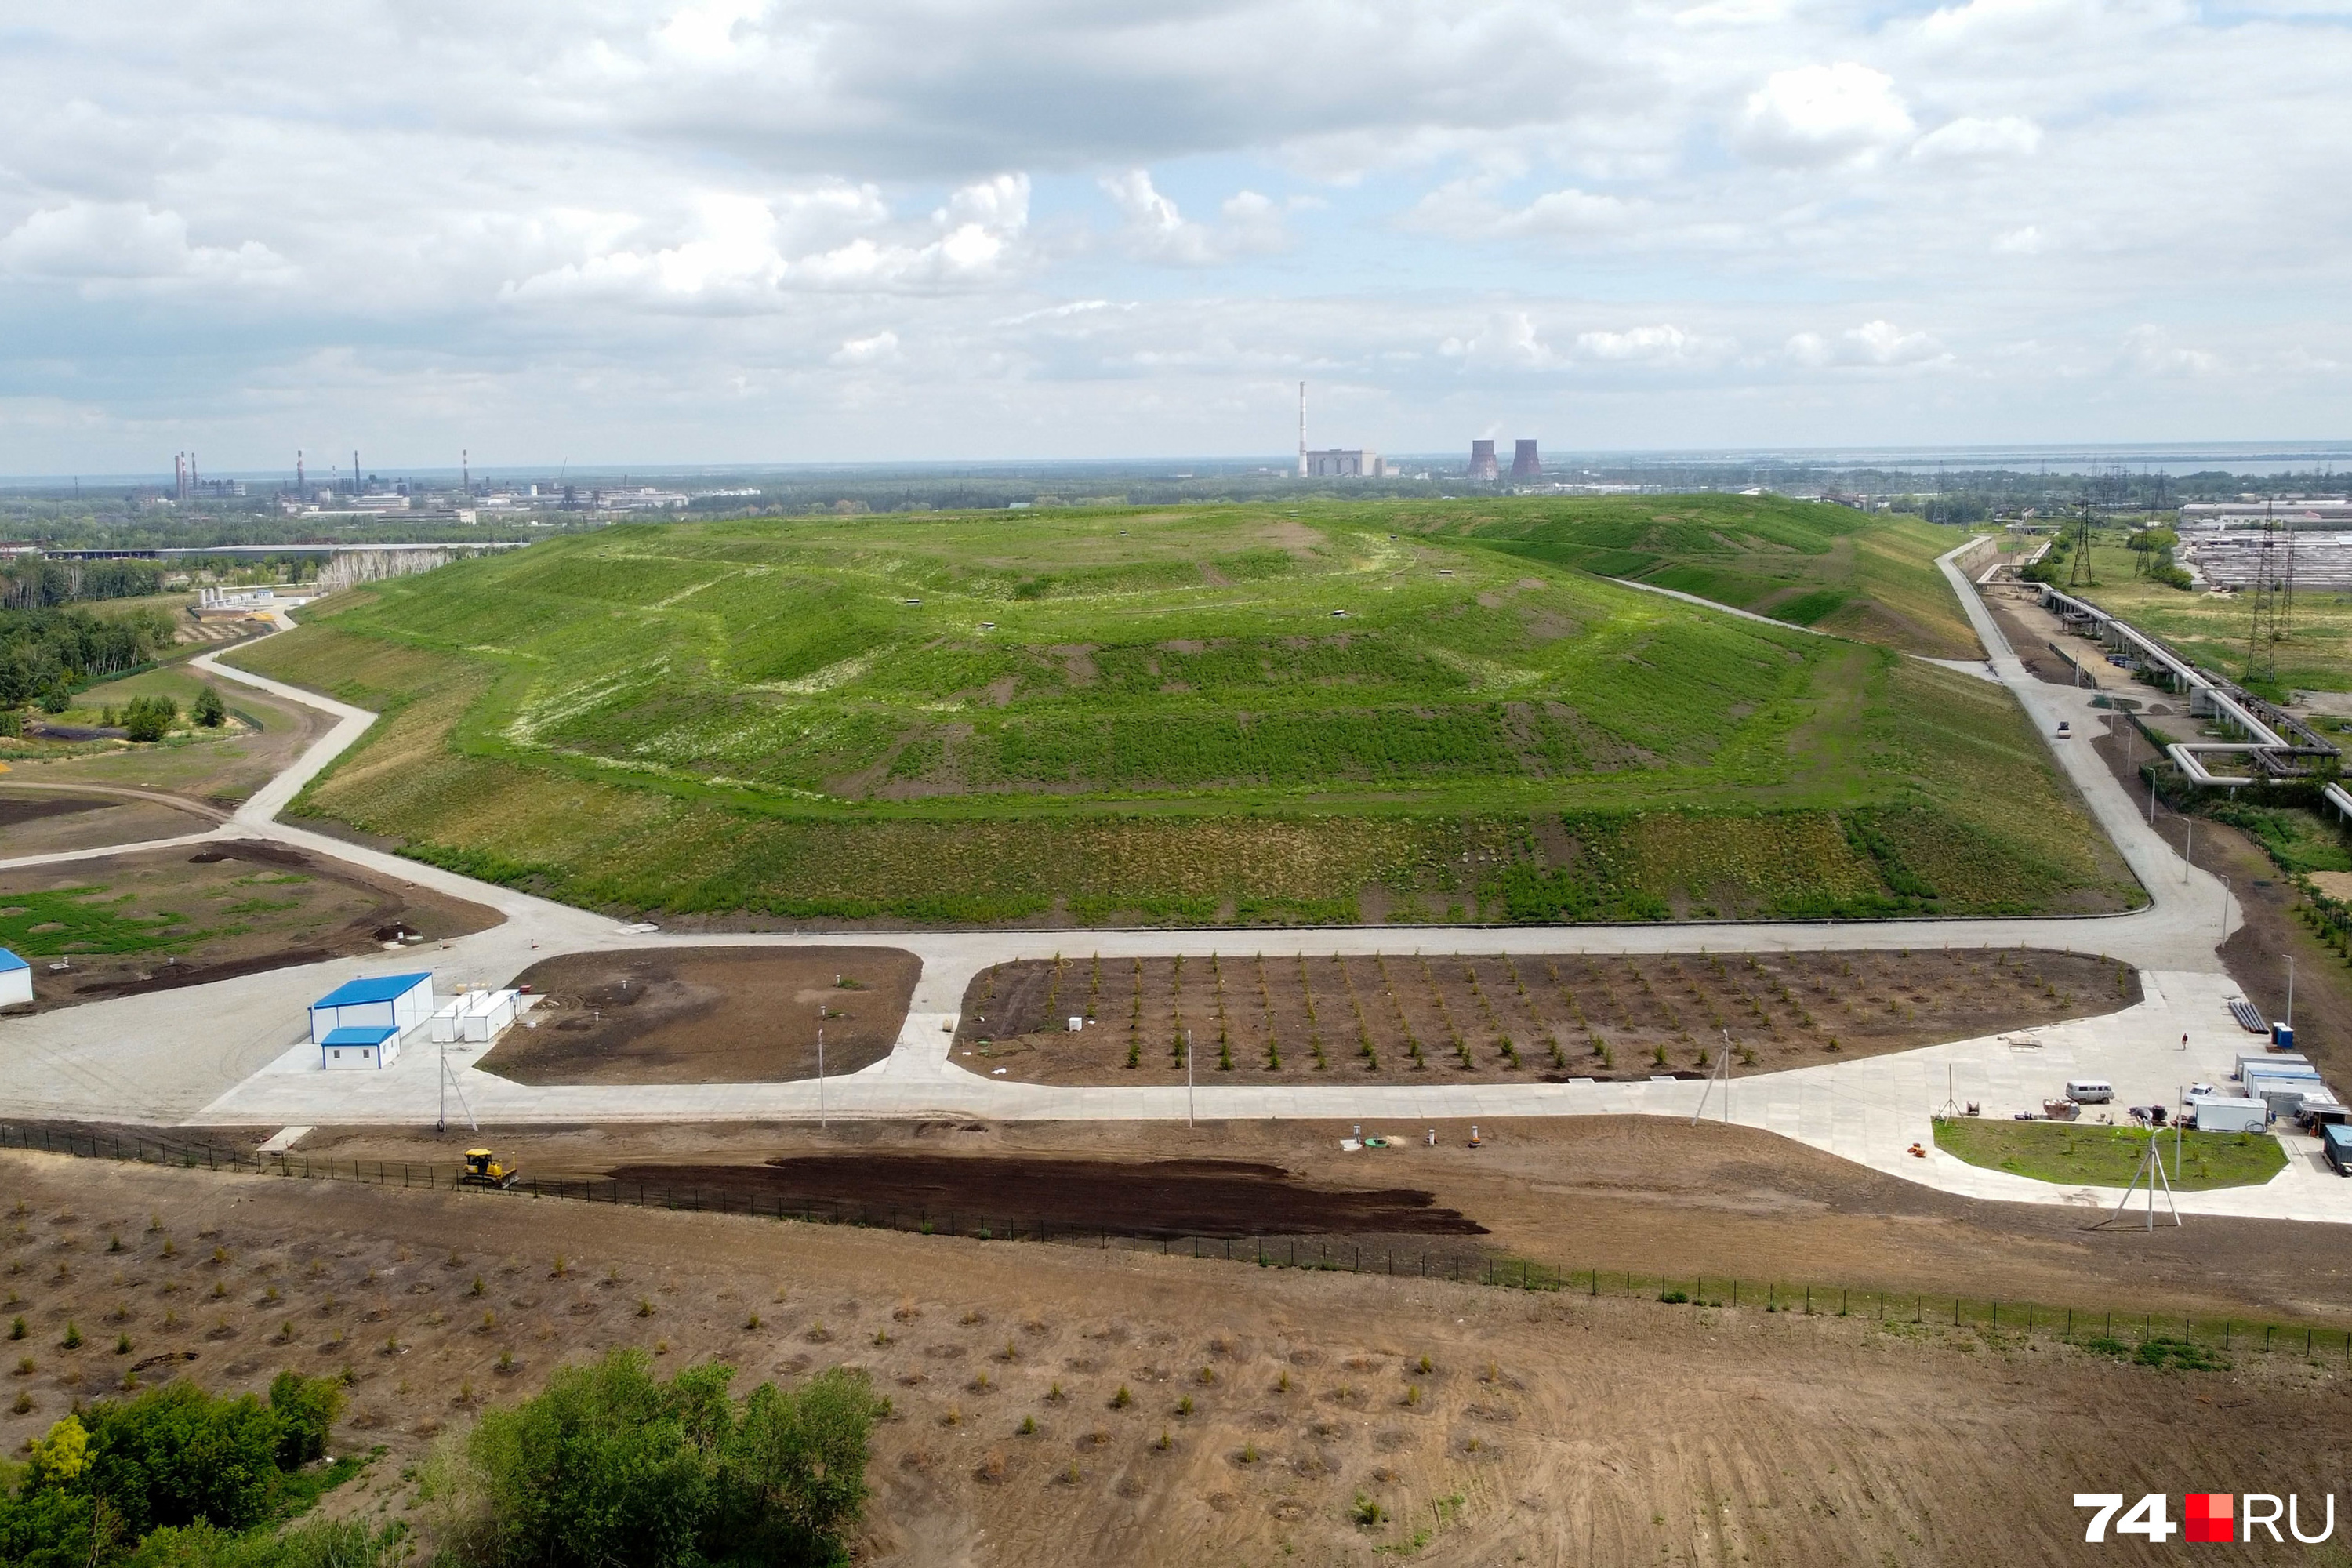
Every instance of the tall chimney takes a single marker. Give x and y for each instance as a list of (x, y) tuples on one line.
[(1482, 460), (1302, 429), (298, 471), (1525, 464)]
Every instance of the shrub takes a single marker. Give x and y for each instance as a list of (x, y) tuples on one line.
[(150, 717), (611, 1466), (208, 709)]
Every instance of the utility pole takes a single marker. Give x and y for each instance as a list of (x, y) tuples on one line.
[(820, 1070), (2290, 990), (1188, 1060)]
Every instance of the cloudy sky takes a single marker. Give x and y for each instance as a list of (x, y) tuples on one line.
[(742, 230)]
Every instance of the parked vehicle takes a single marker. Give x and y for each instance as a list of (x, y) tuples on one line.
[(2090, 1091), (2335, 1142)]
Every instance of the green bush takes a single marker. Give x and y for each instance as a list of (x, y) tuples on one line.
[(208, 709), (174, 1468), (150, 717), (610, 1466)]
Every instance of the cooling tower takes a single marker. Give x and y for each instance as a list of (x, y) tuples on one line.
[(1482, 460), (1525, 464)]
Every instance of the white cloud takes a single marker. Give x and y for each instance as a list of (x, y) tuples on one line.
[(1465, 209), (1664, 344), (634, 221), (1823, 114), (2148, 350), (1154, 230), (750, 253), (113, 247), (883, 345), (1879, 342), (1969, 138)]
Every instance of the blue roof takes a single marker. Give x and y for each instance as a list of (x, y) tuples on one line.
[(9, 961), (352, 993), (374, 1035)]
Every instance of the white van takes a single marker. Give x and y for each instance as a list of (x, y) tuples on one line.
[(2090, 1090)]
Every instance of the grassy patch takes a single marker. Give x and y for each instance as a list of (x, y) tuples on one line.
[(2073, 1155), (86, 919), (1336, 713)]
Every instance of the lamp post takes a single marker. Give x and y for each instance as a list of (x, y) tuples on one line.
[(820, 1070), (2290, 990), (2225, 907), (1188, 1078)]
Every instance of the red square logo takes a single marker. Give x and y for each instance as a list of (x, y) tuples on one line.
[(2207, 1515)]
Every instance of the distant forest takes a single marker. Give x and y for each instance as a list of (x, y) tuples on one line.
[(47, 653), (33, 584)]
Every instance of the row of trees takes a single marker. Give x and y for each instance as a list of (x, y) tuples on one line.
[(47, 652), (32, 583)]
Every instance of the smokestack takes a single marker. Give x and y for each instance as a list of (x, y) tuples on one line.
[(465, 471), (1525, 464), (1302, 429), (1482, 460), (356, 488), (298, 471)]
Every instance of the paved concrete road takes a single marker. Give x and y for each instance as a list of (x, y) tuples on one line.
[(233, 1052)]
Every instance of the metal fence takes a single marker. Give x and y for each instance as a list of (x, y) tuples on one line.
[(2156, 1338)]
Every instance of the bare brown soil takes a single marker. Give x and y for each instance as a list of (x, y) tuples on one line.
[(263, 906), (707, 1014), (1650, 1195), (1142, 1197), (1517, 1018), (47, 824), (1487, 1425)]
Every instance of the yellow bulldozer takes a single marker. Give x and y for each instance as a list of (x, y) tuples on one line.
[(483, 1169)]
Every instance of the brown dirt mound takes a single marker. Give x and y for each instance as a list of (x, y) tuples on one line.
[(1157, 1197), (707, 1014)]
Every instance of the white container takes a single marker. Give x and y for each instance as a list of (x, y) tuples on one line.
[(2228, 1113)]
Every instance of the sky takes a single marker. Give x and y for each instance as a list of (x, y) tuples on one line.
[(720, 231)]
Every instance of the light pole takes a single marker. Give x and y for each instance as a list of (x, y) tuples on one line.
[(820, 1070), (1188, 1078), (2225, 908), (2290, 990), (2187, 847)]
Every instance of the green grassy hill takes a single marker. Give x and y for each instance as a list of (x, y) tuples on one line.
[(1224, 714), (1819, 566)]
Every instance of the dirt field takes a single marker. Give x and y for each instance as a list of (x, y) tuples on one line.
[(1146, 1198), (1513, 1018), (151, 919), (46, 823), (1650, 1194), (1481, 1425), (712, 1015)]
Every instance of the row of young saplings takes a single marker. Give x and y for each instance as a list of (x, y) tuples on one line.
[(1752, 1010)]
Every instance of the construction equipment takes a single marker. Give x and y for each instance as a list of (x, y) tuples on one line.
[(483, 1169)]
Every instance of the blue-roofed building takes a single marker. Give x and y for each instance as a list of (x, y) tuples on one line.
[(374, 1045), (15, 980), (398, 1002)]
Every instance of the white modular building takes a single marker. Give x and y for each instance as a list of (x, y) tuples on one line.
[(476, 1017), (397, 1002), (15, 980), (360, 1046)]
